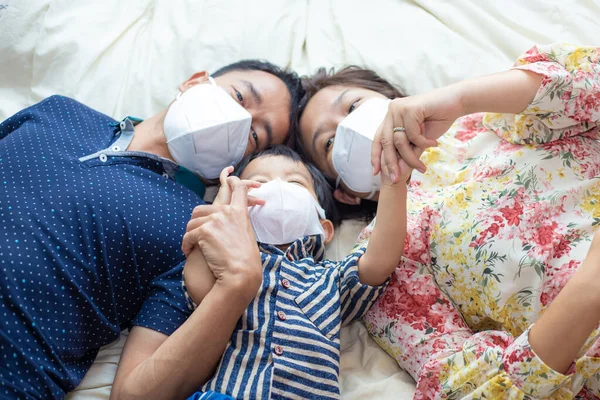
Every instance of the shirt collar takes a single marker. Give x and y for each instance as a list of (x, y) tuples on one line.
[(307, 246)]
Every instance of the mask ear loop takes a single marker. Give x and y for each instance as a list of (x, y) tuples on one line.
[(370, 196)]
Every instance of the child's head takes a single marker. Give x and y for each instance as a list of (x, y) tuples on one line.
[(284, 163)]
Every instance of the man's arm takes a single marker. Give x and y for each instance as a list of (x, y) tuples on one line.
[(156, 366)]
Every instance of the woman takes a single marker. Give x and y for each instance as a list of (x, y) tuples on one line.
[(501, 220)]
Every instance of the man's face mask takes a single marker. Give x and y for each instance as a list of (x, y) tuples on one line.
[(290, 212), (206, 129), (351, 155)]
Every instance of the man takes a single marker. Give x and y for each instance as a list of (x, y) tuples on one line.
[(92, 213)]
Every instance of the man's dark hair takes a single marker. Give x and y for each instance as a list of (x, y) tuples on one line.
[(323, 189), (289, 78), (351, 76)]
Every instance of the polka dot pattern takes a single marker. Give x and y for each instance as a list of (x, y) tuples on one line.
[(83, 244)]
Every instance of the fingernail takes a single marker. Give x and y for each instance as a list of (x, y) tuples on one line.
[(422, 170), (393, 176)]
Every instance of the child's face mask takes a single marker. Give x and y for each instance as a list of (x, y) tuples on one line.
[(351, 155), (206, 129), (290, 212)]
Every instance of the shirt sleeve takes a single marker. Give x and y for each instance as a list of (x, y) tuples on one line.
[(165, 308), (355, 297), (567, 102), (420, 327)]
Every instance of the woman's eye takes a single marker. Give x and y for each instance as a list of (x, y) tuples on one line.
[(352, 107), (239, 96), (329, 143)]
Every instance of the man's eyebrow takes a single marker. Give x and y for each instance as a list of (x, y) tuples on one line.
[(269, 131), (255, 95)]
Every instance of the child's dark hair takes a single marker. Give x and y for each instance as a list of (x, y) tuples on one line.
[(323, 189)]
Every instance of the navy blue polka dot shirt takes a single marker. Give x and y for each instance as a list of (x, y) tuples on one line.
[(90, 239)]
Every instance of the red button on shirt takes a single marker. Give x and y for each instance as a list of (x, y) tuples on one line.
[(285, 283), (278, 350), (281, 315)]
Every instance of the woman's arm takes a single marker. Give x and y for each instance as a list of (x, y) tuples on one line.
[(418, 326), (559, 334), (551, 93)]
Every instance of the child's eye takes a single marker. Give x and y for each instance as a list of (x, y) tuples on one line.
[(296, 182)]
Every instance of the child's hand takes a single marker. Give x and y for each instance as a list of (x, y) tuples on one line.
[(404, 169), (224, 194)]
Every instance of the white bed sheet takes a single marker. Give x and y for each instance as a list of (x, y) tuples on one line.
[(127, 58)]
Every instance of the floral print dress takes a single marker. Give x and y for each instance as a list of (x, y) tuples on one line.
[(498, 224)]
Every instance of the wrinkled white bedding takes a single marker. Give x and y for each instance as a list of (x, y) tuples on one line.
[(127, 58)]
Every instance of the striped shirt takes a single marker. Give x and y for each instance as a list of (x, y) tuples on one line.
[(287, 343)]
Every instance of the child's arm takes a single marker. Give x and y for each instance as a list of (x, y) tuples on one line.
[(198, 277), (389, 233)]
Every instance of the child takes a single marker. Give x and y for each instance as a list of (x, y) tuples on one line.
[(287, 343)]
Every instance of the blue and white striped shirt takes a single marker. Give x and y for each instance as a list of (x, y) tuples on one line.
[(287, 343)]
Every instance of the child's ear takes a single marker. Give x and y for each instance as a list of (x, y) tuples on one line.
[(345, 198), (329, 230)]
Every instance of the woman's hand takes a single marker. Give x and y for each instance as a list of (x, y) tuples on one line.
[(423, 118)]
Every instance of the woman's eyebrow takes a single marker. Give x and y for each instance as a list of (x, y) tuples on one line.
[(339, 99), (319, 129)]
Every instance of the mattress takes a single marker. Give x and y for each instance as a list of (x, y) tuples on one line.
[(127, 58)]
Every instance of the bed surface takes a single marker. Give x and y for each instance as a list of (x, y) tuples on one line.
[(127, 58)]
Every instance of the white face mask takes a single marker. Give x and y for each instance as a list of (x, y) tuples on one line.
[(351, 153), (206, 129), (290, 212)]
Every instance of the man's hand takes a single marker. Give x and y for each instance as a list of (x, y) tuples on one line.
[(225, 236)]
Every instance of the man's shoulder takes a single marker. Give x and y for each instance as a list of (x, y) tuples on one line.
[(67, 104)]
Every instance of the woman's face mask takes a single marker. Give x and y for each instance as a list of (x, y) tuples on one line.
[(351, 155), (206, 129), (339, 140)]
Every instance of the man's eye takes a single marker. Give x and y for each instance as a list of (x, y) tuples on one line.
[(329, 143), (239, 96), (255, 138)]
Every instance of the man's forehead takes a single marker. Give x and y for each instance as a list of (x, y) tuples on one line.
[(261, 78)]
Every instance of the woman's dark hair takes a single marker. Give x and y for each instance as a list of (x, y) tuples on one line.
[(291, 80), (351, 76), (323, 189)]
